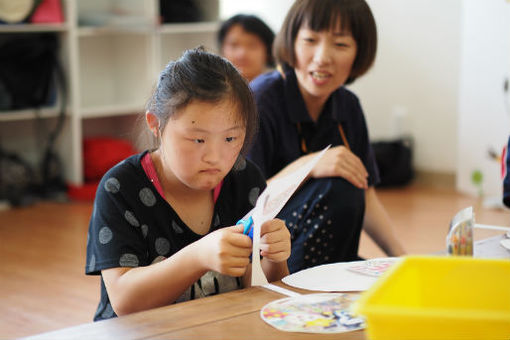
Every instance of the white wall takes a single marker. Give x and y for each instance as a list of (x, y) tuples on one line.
[(271, 11), (413, 86), (484, 119), (415, 77)]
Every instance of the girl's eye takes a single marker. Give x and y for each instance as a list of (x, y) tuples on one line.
[(341, 44), (198, 141), (230, 139), (309, 39)]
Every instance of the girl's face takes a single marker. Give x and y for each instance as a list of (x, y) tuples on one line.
[(201, 142), (323, 61), (246, 51)]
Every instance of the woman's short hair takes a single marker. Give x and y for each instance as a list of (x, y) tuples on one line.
[(319, 15), (251, 24), (202, 76)]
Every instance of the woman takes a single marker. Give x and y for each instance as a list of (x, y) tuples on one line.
[(246, 41), (303, 107)]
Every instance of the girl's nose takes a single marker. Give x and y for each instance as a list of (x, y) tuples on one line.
[(211, 153)]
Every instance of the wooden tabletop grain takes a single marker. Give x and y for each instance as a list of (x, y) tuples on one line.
[(234, 315)]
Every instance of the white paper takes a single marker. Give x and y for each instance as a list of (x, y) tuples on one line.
[(258, 278), (505, 243), (269, 204), (281, 290), (332, 277)]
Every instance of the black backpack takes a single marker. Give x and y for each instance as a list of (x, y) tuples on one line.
[(394, 160), (27, 67)]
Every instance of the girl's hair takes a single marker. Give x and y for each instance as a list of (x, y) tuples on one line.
[(253, 25), (319, 15), (202, 76)]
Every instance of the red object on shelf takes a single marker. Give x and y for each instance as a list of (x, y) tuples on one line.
[(102, 153), (99, 155), (85, 192), (48, 11)]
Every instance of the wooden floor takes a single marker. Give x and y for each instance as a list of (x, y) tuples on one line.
[(42, 253)]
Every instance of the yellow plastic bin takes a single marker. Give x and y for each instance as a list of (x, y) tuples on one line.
[(439, 298)]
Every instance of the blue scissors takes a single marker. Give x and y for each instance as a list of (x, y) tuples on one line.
[(248, 226)]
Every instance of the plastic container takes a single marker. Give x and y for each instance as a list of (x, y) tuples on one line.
[(439, 298)]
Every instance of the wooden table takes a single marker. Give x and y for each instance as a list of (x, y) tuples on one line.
[(234, 315)]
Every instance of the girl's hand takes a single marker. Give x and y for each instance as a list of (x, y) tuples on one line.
[(275, 241), (341, 162), (226, 251)]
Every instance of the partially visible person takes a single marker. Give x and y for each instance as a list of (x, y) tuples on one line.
[(163, 228), (304, 107), (247, 42), (506, 175)]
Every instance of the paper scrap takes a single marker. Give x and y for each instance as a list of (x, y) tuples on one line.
[(505, 243), (269, 204), (281, 290)]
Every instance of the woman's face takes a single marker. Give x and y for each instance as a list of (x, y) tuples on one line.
[(246, 51), (201, 142), (323, 61)]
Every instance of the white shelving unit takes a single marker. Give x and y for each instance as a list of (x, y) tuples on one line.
[(112, 62)]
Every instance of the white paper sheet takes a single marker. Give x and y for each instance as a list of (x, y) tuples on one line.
[(332, 277), (269, 204)]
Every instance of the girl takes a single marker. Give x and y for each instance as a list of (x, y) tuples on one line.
[(163, 225), (303, 107)]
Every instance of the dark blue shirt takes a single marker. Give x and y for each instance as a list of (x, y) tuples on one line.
[(281, 107)]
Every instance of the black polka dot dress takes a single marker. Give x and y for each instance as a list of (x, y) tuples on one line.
[(132, 225)]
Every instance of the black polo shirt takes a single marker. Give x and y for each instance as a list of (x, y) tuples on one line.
[(281, 107)]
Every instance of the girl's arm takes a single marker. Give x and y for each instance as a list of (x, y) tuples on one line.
[(130, 290), (274, 270), (378, 225)]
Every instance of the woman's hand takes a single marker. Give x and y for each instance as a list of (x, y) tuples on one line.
[(274, 241), (341, 162), (226, 251)]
